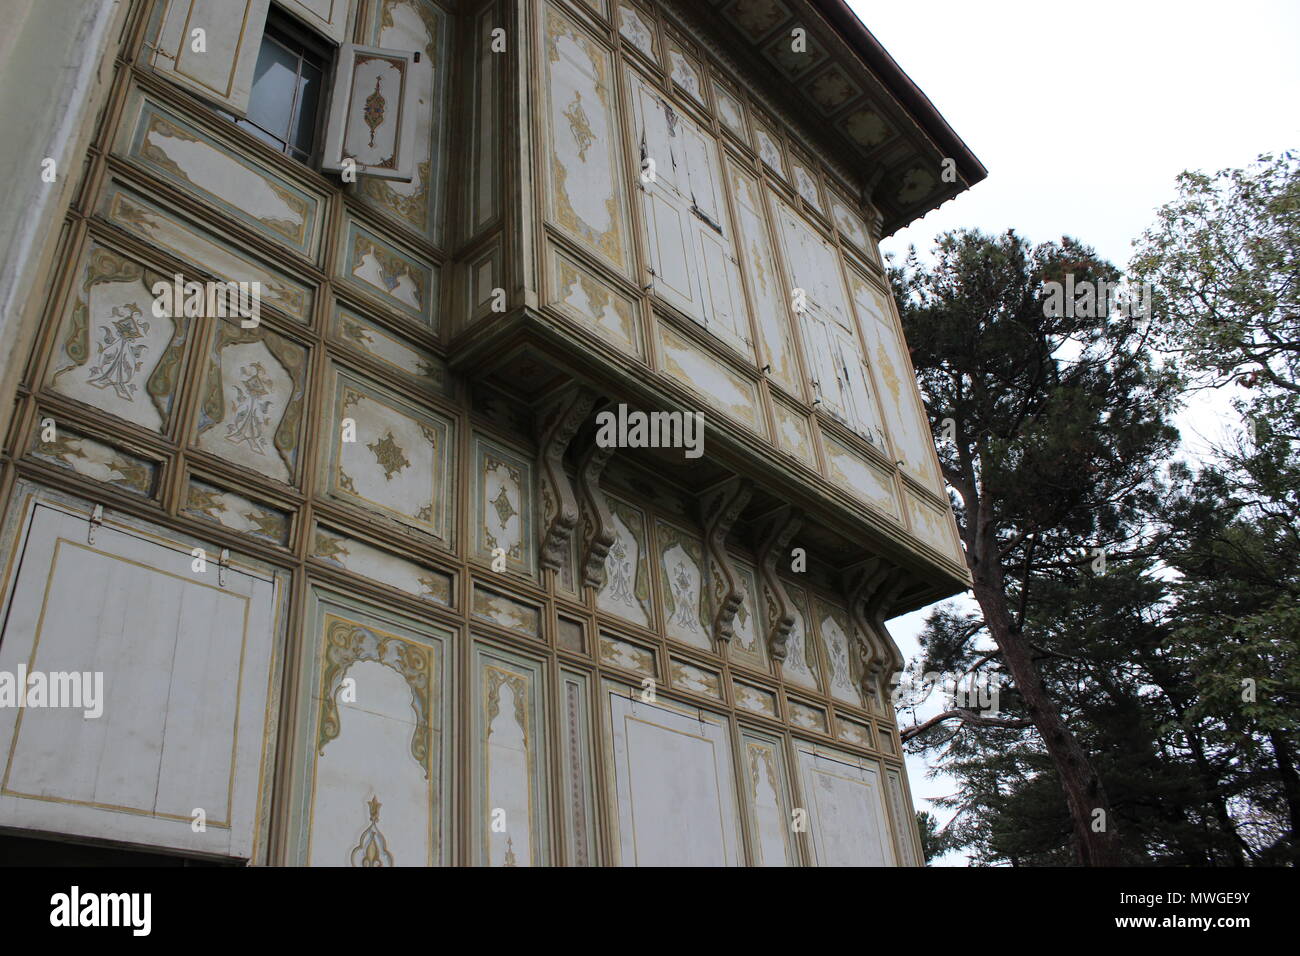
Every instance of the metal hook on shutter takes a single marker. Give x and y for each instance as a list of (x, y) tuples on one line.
[(222, 563), (96, 519)]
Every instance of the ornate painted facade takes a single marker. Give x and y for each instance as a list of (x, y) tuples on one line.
[(363, 586)]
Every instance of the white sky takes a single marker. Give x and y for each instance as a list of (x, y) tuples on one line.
[(1083, 114)]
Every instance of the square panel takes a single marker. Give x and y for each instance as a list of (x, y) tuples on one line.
[(503, 508), (388, 456)]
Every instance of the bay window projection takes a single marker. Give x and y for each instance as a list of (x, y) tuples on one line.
[(692, 257)]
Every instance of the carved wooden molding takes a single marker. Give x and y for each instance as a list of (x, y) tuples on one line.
[(600, 537), (719, 509), (773, 546), (559, 421), (872, 587)]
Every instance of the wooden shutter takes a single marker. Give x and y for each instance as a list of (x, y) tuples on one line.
[(666, 203), (231, 36), (185, 658), (372, 113), (327, 17)]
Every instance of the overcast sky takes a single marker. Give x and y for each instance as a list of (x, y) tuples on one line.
[(1083, 114)]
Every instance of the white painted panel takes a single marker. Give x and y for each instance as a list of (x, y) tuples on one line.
[(676, 798), (372, 113), (220, 68), (327, 17), (846, 812), (185, 663)]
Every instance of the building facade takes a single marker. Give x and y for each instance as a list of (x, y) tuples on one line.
[(544, 498)]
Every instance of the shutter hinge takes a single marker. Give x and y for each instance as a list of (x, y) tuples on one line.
[(96, 519), (222, 564)]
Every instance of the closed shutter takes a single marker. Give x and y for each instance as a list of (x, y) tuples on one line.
[(185, 658), (210, 48), (372, 113)]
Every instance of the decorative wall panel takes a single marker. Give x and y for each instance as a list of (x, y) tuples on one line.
[(370, 772), (142, 760), (861, 478), (633, 27), (800, 665), (748, 645), (808, 717), (731, 113), (178, 151), (380, 271), (594, 303), (696, 680), (767, 795), (853, 731), (113, 353), (236, 512), (421, 368), (835, 632), (934, 526), (625, 591), (794, 434), (253, 397), (670, 772), (578, 772), (707, 376), (846, 809), (506, 612), (96, 460), (903, 817), (400, 461), (175, 234), (682, 591), (509, 792), (586, 200), (503, 507), (616, 652), (756, 700), (485, 168), (337, 549)]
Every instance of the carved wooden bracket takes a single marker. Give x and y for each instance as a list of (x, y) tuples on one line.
[(559, 421), (719, 509), (774, 542), (601, 535), (872, 588)]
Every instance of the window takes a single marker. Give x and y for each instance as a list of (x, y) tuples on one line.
[(284, 106)]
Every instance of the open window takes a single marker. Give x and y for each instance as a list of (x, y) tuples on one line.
[(281, 71)]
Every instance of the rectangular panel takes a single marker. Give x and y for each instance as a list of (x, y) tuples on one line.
[(85, 456), (341, 551), (217, 62), (682, 593), (175, 672), (934, 526), (767, 796), (794, 434), (203, 166), (671, 774), (372, 763), (418, 366), (579, 773), (625, 591), (386, 455), (379, 270), (583, 156), (616, 652), (835, 631), (509, 759), (210, 503), (696, 680), (709, 377), (800, 666), (846, 810), (253, 395), (904, 819), (506, 612), (503, 508), (594, 303), (373, 103), (748, 644), (112, 352), (861, 478)]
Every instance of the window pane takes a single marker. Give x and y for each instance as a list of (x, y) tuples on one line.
[(308, 96), (271, 104)]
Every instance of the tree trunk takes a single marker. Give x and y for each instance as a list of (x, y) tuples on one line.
[(1084, 792), (1290, 784)]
